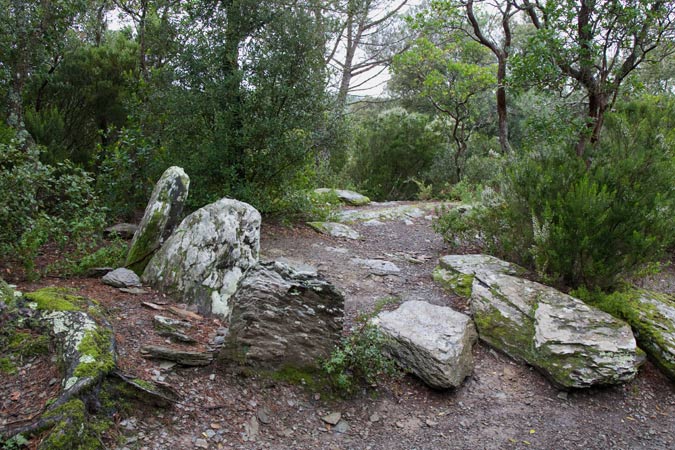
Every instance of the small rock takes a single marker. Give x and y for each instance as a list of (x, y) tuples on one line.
[(562, 395), (166, 365), (209, 434), (375, 417), (264, 415), (212, 376), (201, 443), (120, 278), (251, 429), (431, 423), (332, 418), (341, 427)]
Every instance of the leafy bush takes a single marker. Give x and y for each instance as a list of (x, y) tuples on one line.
[(360, 357), (128, 171), (40, 203), (577, 222), (391, 150)]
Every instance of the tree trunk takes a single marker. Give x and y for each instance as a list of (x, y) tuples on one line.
[(501, 107)]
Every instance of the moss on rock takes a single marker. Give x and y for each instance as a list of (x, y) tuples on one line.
[(95, 355), (56, 299), (454, 283)]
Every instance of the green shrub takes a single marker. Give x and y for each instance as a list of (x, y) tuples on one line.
[(578, 222), (128, 171), (392, 149), (361, 357), (41, 203)]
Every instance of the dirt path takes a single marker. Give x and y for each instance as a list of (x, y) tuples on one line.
[(502, 406)]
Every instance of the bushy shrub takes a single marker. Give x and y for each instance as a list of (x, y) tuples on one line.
[(41, 203), (582, 222), (361, 357), (392, 149), (128, 170)]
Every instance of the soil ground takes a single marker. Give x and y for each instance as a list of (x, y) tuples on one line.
[(503, 405)]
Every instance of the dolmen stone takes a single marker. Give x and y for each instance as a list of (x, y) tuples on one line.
[(434, 342), (455, 273), (121, 278), (207, 255), (160, 219), (652, 317), (573, 344), (335, 229), (123, 230), (282, 317), (345, 196)]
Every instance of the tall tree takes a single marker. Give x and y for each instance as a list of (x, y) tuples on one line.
[(454, 78), (366, 41), (597, 44), (32, 35)]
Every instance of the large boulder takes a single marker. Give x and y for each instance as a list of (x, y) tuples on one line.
[(207, 255), (573, 344), (283, 317), (455, 273), (345, 196), (161, 217), (434, 342), (652, 316)]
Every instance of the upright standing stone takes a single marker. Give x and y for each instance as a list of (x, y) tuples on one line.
[(283, 317), (161, 217), (204, 259)]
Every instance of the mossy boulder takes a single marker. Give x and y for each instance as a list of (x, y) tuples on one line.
[(83, 337), (571, 343), (652, 317), (160, 219), (455, 273), (345, 196), (210, 251)]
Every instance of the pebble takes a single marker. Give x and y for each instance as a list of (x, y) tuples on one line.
[(201, 443), (332, 418)]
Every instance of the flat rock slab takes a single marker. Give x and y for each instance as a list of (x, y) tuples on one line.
[(434, 342), (573, 344), (283, 318), (455, 273), (335, 229), (121, 278), (652, 316), (378, 266), (386, 212), (181, 357), (123, 230), (345, 196)]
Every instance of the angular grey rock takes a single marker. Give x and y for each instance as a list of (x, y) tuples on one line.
[(335, 229), (207, 255), (378, 266), (434, 342), (345, 196), (123, 230), (281, 317), (161, 217), (573, 344), (652, 316), (455, 273), (121, 278)]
